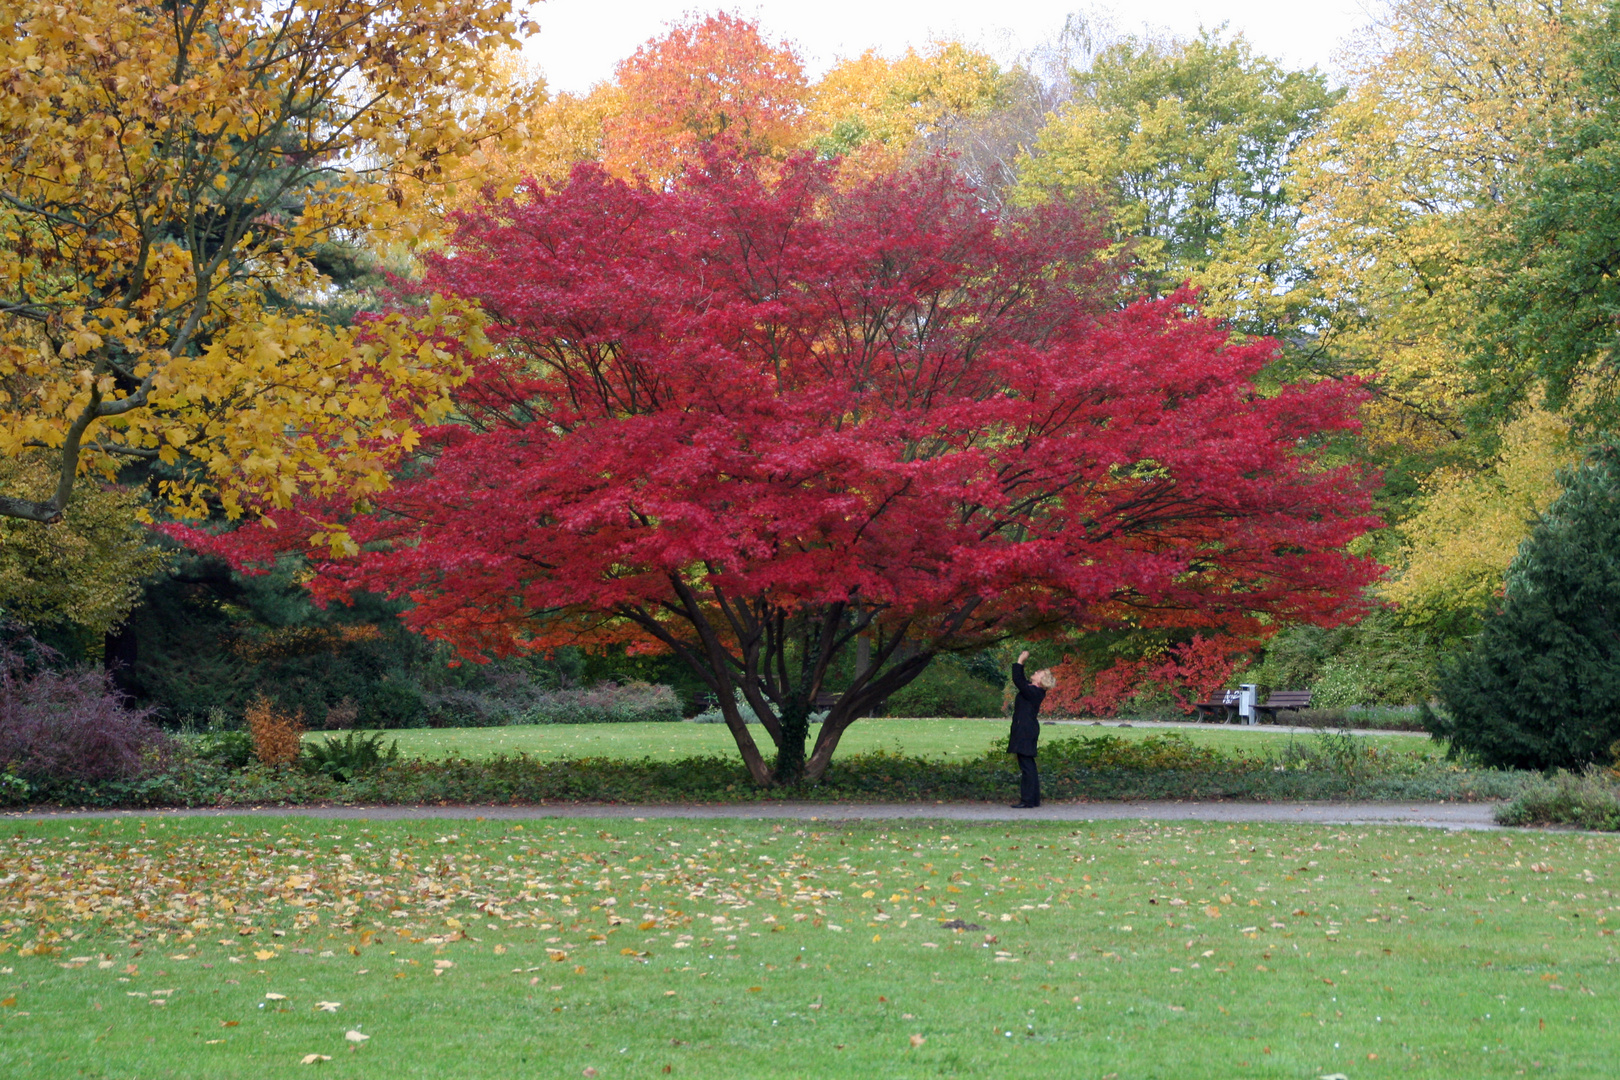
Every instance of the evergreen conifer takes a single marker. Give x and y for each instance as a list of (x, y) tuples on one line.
[(1540, 686)]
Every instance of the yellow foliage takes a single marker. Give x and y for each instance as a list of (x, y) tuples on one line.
[(1402, 191), (167, 174), (1459, 544), (877, 111)]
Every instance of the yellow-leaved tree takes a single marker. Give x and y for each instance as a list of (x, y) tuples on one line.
[(878, 111), (1458, 544), (170, 175), (1408, 185)]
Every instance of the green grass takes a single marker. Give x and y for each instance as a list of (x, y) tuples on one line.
[(758, 950), (939, 738)]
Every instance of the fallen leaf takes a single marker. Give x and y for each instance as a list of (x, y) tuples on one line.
[(355, 1036), (917, 1040), (311, 1059), (275, 997), (589, 1071), (327, 1006), (9, 1002), (264, 954), (230, 1023)]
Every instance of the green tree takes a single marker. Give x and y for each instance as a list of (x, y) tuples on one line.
[(1556, 323), (1190, 142), (81, 575), (1540, 687)]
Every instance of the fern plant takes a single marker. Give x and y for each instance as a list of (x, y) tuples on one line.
[(344, 759)]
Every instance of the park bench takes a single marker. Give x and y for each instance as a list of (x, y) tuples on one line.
[(1222, 705), (1283, 701)]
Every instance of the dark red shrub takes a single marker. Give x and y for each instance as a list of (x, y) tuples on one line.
[(63, 726)]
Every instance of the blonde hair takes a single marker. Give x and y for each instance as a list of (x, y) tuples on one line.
[(1044, 678)]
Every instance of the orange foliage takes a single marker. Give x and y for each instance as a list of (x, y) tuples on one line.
[(277, 736), (705, 79)]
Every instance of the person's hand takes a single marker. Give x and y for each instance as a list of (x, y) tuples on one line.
[(1023, 656)]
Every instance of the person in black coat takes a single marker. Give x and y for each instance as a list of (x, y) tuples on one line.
[(1026, 730)]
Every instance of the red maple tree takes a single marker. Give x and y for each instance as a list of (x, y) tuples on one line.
[(756, 421)]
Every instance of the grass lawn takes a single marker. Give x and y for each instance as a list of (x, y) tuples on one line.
[(226, 947), (939, 738)]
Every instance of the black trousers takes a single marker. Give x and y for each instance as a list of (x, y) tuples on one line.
[(1029, 781)]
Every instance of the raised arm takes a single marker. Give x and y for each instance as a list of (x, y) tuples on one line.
[(1025, 690)]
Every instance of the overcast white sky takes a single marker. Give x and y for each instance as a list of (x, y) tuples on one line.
[(580, 41)]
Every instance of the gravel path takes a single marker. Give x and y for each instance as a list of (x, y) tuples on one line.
[(1443, 815)]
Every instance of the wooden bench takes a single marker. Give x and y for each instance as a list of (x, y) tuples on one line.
[(1222, 705), (1283, 701)]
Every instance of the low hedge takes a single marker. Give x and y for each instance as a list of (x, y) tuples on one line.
[(1589, 800), (1105, 767)]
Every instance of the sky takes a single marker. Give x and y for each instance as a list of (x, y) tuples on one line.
[(580, 41)]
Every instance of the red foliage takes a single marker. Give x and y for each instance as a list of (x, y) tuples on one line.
[(1190, 672), (748, 419), (709, 78)]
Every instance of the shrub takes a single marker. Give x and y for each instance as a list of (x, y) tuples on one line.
[(343, 715), (1588, 800), (466, 707), (277, 735), (1374, 662), (14, 790), (353, 756), (227, 749), (66, 726), (713, 715), (393, 704), (607, 703), (1540, 686), (945, 688)]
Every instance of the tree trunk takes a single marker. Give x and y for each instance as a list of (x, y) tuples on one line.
[(752, 758), (795, 722)]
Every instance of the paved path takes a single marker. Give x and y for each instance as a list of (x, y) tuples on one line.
[(1448, 815), (1211, 726)]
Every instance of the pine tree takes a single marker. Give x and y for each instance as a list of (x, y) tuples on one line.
[(1540, 687)]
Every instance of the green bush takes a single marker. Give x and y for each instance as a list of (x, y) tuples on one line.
[(1375, 662), (1589, 800), (1540, 686), (946, 688), (393, 705), (227, 749), (14, 790)]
